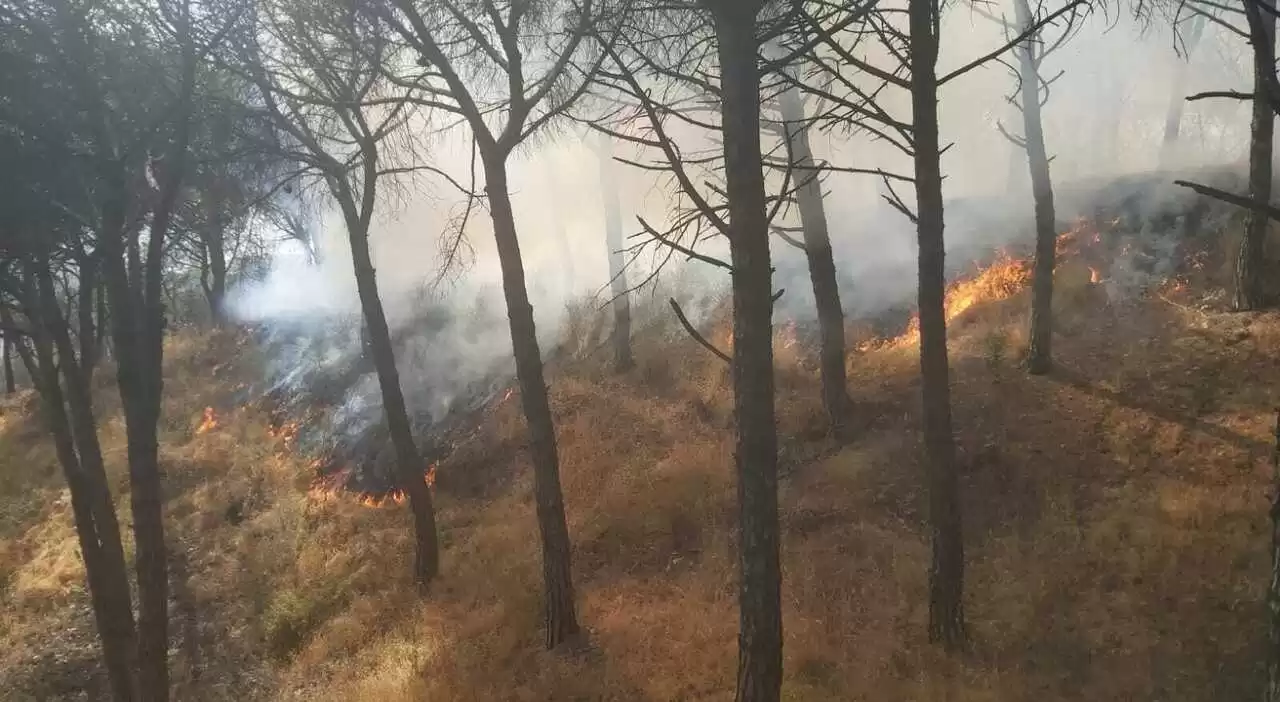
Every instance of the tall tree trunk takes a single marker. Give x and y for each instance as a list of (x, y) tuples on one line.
[(1273, 589), (557, 575), (822, 267), (99, 537), (102, 340), (623, 359), (215, 230), (138, 370), (216, 292), (1178, 89), (7, 347), (410, 470), (756, 454), (1039, 353), (946, 572), (85, 328), (1251, 262)]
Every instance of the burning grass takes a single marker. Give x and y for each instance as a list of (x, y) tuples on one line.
[(1112, 515)]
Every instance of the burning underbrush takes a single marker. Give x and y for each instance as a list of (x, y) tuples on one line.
[(323, 402), (1121, 253), (1125, 474)]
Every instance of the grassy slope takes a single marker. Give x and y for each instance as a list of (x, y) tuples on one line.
[(1115, 521)]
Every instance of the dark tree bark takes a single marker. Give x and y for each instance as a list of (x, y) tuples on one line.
[(10, 386), (454, 49), (946, 571), (101, 329), (213, 276), (410, 470), (1039, 352), (93, 510), (1273, 588), (623, 360), (1251, 263), (822, 267), (561, 613), (85, 328), (215, 283), (352, 180), (135, 291), (138, 363), (756, 455)]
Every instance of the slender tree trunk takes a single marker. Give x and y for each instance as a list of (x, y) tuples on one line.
[(104, 566), (100, 346), (410, 470), (756, 455), (79, 400), (1251, 263), (561, 615), (85, 328), (946, 572), (137, 313), (10, 386), (1273, 590), (623, 360), (1039, 353), (822, 267), (215, 233), (216, 292), (213, 274)]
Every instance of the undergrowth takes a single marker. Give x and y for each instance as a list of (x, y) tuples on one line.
[(1114, 513)]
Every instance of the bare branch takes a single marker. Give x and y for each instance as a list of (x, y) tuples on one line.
[(684, 322)]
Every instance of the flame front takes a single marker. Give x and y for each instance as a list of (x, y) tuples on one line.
[(209, 422), (1003, 279), (333, 486)]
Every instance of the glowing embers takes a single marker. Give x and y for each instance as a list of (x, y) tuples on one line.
[(209, 421), (332, 487)]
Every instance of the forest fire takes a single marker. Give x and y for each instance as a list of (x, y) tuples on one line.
[(333, 486), (286, 432), (209, 421), (1004, 278)]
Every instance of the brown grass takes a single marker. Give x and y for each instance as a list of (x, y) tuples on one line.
[(1115, 526)]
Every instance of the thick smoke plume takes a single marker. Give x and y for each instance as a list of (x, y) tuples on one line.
[(452, 343)]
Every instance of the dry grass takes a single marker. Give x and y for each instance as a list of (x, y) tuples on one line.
[(1115, 523)]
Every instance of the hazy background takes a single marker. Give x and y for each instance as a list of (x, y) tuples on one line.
[(1105, 118)]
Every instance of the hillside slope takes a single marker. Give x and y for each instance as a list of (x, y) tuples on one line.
[(1115, 517)]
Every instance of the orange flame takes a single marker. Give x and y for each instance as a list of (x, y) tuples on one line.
[(330, 488), (1094, 275), (1001, 280), (209, 423)]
